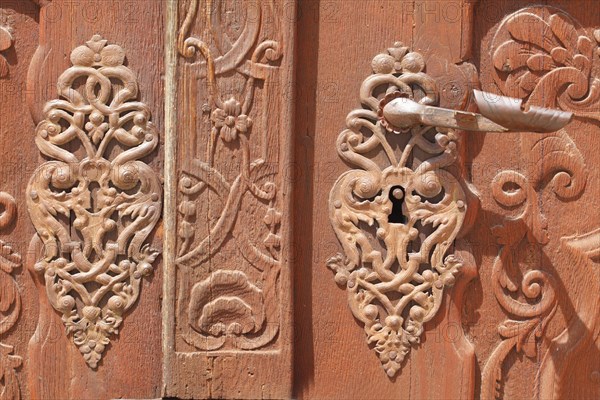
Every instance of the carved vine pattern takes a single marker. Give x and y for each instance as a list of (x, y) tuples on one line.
[(395, 278), (10, 303), (556, 163), (227, 306), (544, 56), (547, 60), (95, 208)]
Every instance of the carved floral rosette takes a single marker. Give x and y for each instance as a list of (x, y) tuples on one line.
[(94, 207), (397, 213), (229, 218)]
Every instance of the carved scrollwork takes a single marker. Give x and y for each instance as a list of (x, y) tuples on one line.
[(397, 219), (544, 56), (10, 304), (555, 160), (230, 309), (94, 209)]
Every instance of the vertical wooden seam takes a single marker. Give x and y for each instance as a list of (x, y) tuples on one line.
[(170, 188), (288, 183)]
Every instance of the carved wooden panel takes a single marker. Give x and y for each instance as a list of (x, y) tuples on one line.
[(539, 273), (94, 263), (470, 260), (528, 314), (122, 91), (334, 359), (561, 163), (412, 201), (228, 294), (18, 38)]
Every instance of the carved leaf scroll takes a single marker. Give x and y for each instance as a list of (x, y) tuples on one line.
[(10, 304), (397, 213), (552, 159), (94, 208), (230, 308), (544, 56)]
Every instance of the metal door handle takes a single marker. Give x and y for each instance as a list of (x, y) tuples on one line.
[(497, 114)]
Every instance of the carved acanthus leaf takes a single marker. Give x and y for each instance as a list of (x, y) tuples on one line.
[(552, 159), (544, 56)]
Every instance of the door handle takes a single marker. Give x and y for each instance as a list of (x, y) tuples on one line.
[(399, 209), (497, 114)]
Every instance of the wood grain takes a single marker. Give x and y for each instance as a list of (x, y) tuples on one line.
[(242, 304), (229, 298), (323, 324)]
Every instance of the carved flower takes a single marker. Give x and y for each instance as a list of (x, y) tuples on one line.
[(398, 59), (226, 303), (96, 126), (384, 122), (97, 53), (229, 120), (91, 313), (92, 342)]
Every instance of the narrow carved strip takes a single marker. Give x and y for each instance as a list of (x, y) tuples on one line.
[(556, 159), (233, 189), (10, 304), (397, 219), (94, 208)]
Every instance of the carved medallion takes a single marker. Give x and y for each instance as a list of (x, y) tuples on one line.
[(10, 303), (397, 213), (229, 244), (95, 202)]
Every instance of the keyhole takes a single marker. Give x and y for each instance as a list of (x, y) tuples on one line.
[(397, 197)]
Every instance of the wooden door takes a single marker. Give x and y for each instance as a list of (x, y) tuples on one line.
[(314, 199), (518, 319)]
